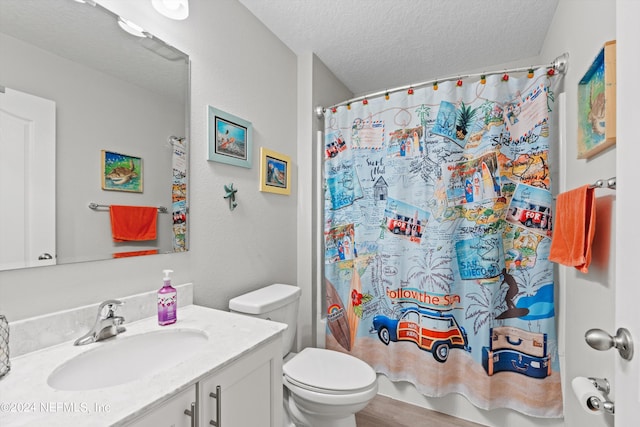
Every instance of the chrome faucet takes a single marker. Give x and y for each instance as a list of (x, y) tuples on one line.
[(107, 324)]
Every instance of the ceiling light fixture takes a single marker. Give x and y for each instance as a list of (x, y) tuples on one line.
[(131, 28), (174, 9)]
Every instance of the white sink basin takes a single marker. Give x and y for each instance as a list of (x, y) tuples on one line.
[(123, 359)]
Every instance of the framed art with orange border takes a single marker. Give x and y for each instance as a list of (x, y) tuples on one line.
[(597, 104), (275, 172)]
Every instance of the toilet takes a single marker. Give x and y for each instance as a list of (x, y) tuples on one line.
[(322, 388)]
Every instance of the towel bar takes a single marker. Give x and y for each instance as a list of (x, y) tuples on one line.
[(601, 183), (95, 206)]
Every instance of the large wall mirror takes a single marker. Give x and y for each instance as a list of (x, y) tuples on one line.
[(82, 86)]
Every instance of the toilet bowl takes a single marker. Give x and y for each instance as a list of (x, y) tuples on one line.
[(322, 388), (327, 387)]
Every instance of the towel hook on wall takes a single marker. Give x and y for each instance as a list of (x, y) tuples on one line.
[(230, 193)]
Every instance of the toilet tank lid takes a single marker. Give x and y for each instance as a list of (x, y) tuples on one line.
[(265, 299)]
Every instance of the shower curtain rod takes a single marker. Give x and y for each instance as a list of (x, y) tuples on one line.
[(559, 64)]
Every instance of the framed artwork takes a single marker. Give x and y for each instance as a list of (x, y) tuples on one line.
[(597, 104), (275, 172), (230, 138), (121, 172)]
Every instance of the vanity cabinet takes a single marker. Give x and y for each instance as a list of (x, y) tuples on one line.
[(170, 413), (247, 392)]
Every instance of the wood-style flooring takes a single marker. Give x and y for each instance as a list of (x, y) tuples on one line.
[(384, 411)]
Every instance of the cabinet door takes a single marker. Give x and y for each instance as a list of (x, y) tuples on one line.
[(170, 413), (249, 393)]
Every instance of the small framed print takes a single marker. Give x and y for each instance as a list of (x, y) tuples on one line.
[(121, 172), (275, 172), (230, 138)]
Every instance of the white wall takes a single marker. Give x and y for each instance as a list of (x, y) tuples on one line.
[(239, 67), (306, 255)]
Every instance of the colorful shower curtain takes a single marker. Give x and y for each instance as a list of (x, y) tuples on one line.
[(179, 193), (437, 228)]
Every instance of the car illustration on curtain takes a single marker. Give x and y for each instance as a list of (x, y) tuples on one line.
[(433, 331)]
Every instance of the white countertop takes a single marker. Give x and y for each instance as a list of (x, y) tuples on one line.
[(27, 400)]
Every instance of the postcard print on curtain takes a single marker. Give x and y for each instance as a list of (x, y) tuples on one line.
[(438, 217)]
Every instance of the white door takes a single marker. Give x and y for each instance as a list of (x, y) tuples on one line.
[(627, 377), (27, 180)]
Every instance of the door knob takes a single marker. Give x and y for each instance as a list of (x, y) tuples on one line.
[(601, 340)]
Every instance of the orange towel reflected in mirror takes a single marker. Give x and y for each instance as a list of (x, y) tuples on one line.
[(133, 223), (574, 228), (135, 253)]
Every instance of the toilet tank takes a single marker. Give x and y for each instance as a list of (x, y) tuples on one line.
[(277, 302)]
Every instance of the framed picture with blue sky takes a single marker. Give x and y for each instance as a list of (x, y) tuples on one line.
[(230, 138), (275, 172)]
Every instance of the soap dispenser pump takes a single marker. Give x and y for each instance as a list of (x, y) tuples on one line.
[(167, 301)]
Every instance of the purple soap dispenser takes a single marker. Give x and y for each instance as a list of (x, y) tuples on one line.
[(167, 301)]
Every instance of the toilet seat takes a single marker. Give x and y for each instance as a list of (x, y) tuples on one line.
[(329, 372), (310, 399)]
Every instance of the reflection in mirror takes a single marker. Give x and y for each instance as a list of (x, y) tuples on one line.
[(73, 85)]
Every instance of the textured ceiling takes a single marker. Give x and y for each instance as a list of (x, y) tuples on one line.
[(373, 45)]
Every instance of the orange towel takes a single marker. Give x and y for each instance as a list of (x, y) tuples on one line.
[(133, 223), (135, 253), (574, 228)]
